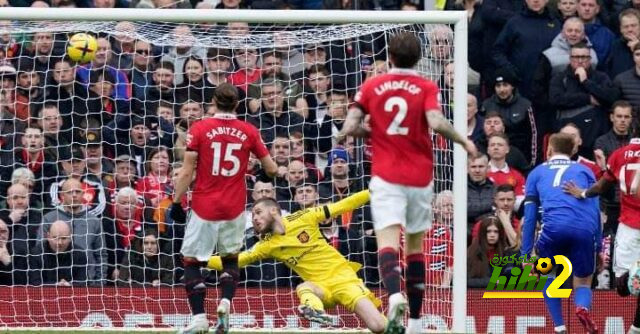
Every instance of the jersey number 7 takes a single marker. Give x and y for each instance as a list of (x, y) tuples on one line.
[(635, 181), (229, 156)]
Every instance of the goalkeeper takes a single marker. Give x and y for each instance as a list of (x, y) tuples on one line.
[(329, 279)]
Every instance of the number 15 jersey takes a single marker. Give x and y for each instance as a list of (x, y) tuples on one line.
[(623, 167), (397, 102), (223, 144)]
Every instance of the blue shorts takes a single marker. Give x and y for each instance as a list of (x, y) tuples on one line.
[(578, 245)]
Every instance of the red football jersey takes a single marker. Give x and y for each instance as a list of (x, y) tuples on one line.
[(397, 102), (224, 144), (623, 167)]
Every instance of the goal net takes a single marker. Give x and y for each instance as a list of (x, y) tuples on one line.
[(103, 251)]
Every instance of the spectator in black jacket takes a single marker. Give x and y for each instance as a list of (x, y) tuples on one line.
[(55, 261), (516, 112), (628, 82), (620, 59), (619, 135), (523, 39), (494, 125), (6, 263), (495, 14), (582, 95), (480, 190), (146, 262)]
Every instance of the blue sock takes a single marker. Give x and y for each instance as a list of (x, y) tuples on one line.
[(554, 305), (583, 297)]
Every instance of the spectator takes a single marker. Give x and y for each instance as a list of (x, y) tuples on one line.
[(439, 53), (30, 154), (124, 175), (271, 65), (29, 91), (120, 228), (313, 54), (491, 242), (86, 229), (55, 260), (438, 242), (102, 63), (567, 9), (274, 117), (122, 44), (248, 71), (598, 33), (190, 112), (45, 53), (147, 263), (182, 50), (25, 177), (619, 135), (628, 82), (494, 124), (156, 185), (94, 199), (480, 189), (495, 15), (315, 99), (339, 185), (499, 171), (194, 87), (23, 219), (523, 39), (101, 108), (69, 94), (621, 55), (554, 60), (517, 115), (141, 75), (136, 142), (6, 263), (57, 143), (474, 120), (581, 96), (96, 161), (218, 65), (504, 202), (162, 88), (286, 189)]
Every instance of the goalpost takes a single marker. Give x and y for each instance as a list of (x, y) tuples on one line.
[(353, 41)]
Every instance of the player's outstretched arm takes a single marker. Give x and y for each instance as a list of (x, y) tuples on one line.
[(353, 125), (603, 185), (348, 204), (244, 259), (442, 126)]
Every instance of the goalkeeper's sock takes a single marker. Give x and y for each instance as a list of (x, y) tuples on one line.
[(583, 297), (307, 297), (196, 289), (389, 269), (415, 284), (229, 276), (554, 305)]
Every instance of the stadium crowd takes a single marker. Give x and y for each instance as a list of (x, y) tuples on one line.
[(88, 152)]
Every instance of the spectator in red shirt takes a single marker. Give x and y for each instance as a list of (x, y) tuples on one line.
[(438, 242), (157, 184), (499, 171)]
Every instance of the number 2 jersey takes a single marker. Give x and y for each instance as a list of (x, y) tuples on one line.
[(402, 148), (223, 144), (623, 167)]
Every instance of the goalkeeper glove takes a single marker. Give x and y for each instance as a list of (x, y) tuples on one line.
[(177, 213)]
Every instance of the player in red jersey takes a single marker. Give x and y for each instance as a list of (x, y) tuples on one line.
[(402, 107), (623, 169), (218, 150)]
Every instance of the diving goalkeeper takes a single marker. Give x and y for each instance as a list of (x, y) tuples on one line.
[(329, 279)]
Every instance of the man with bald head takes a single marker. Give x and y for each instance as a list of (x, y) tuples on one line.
[(23, 223), (55, 261), (87, 235)]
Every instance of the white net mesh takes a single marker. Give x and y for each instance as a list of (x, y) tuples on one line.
[(118, 126)]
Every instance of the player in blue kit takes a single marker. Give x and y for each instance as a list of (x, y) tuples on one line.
[(570, 227)]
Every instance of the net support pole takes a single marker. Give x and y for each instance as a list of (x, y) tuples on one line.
[(459, 293)]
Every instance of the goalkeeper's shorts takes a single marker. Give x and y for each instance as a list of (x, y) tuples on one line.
[(346, 293)]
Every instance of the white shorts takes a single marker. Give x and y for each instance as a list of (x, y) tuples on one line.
[(202, 237), (393, 204), (627, 249)]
